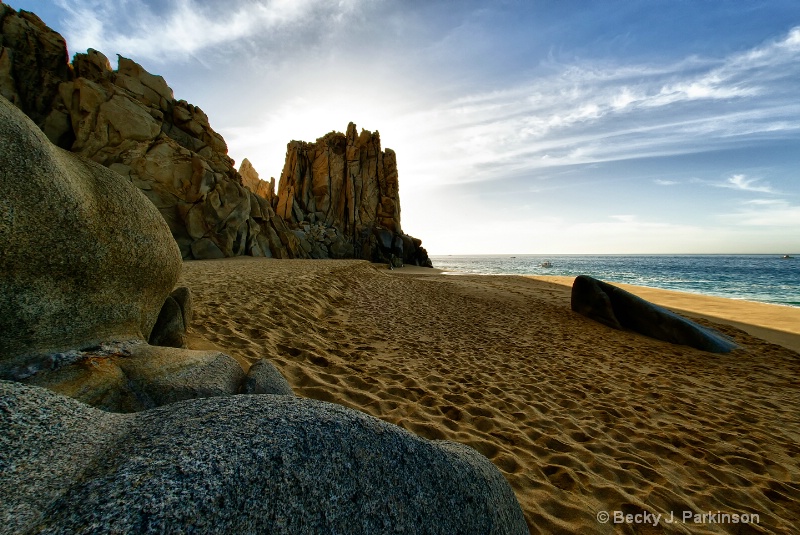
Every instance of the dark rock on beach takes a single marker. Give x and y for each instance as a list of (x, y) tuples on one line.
[(242, 464), (619, 309)]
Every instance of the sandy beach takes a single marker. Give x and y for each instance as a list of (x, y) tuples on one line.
[(581, 419)]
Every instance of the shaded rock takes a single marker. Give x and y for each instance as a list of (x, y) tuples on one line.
[(183, 296), (170, 328), (133, 376), (86, 257), (33, 63), (205, 249), (264, 378), (173, 320), (619, 309), (242, 464)]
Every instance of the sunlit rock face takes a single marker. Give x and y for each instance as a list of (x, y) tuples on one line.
[(347, 183)]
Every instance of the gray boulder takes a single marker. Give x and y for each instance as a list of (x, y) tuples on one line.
[(619, 309), (85, 258), (241, 464), (264, 378)]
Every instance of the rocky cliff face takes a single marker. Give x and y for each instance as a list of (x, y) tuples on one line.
[(345, 182), (128, 120)]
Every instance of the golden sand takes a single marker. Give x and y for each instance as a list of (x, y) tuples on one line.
[(580, 418)]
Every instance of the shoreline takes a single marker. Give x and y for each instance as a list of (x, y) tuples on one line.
[(758, 278), (779, 324)]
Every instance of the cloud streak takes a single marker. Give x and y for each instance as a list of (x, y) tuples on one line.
[(742, 183), (188, 28)]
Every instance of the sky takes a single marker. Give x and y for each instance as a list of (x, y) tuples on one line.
[(520, 126)]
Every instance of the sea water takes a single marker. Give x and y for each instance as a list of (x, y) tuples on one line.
[(762, 278)]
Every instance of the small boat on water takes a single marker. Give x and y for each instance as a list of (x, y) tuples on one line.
[(546, 264), (787, 257)]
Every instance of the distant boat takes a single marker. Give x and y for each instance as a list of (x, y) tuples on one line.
[(546, 264), (787, 257)]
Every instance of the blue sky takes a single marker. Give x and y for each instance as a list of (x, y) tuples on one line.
[(520, 126)]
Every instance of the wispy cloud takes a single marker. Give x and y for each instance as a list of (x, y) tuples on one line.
[(767, 202), (187, 28), (662, 182), (742, 183), (585, 113)]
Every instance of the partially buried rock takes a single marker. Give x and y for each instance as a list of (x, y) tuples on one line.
[(264, 378), (173, 320), (619, 309), (241, 464)]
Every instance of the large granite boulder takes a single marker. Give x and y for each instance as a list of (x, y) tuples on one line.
[(242, 464), (86, 258), (619, 309)]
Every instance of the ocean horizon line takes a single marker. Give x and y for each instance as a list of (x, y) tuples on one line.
[(760, 278), (780, 253)]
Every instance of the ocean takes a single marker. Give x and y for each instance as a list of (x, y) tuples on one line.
[(761, 278)]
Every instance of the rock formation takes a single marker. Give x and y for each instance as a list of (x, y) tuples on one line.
[(133, 376), (128, 120), (251, 181), (173, 320), (347, 183), (619, 309), (264, 378), (240, 464), (33, 64)]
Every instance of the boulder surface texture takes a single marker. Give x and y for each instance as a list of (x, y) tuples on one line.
[(619, 309), (129, 121), (85, 258), (241, 464)]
